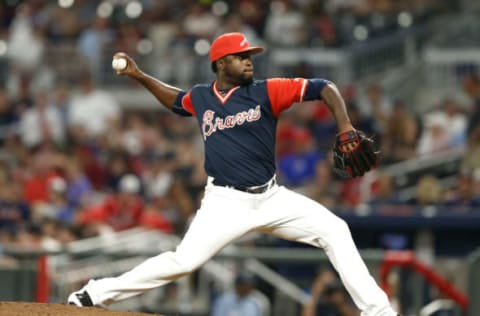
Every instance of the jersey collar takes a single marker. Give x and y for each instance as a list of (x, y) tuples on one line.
[(220, 97)]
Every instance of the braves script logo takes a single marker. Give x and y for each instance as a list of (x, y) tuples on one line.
[(210, 125)]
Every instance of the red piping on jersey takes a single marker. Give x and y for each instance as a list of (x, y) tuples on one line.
[(221, 98), (187, 104), (302, 93)]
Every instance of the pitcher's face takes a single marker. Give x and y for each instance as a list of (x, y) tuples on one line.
[(238, 68)]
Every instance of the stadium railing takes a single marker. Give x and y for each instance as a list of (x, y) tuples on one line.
[(407, 259), (443, 164)]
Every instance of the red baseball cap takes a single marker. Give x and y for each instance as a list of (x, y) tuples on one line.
[(231, 43)]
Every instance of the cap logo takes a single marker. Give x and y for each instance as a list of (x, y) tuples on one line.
[(244, 42)]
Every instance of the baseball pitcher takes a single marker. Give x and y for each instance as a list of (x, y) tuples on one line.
[(237, 117)]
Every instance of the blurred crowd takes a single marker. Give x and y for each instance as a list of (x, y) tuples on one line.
[(174, 32), (75, 164)]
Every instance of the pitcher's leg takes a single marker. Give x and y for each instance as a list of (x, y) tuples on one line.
[(211, 230), (301, 219)]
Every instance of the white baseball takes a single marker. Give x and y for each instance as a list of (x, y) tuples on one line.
[(119, 63)]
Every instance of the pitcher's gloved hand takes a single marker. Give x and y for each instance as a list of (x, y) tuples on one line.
[(354, 154)]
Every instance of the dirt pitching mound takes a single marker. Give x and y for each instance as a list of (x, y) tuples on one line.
[(36, 309)]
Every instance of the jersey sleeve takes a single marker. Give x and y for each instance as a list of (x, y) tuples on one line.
[(283, 92), (183, 104), (314, 89)]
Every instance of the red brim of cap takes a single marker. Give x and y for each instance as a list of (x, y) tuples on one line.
[(252, 50)]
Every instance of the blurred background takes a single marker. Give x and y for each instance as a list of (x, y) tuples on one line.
[(95, 176)]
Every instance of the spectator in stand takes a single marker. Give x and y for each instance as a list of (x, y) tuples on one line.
[(171, 185), (444, 128), (57, 206), (244, 300), (63, 24), (120, 210), (199, 22), (118, 164), (457, 121), (328, 297), (127, 38), (377, 107), (6, 239), (323, 188), (471, 85), (14, 211), (79, 187), (66, 233), (253, 12), (41, 171), (9, 120), (299, 166), (350, 193), (384, 191), (93, 110), (461, 198), (61, 101), (285, 25), (49, 228), (285, 135), (42, 123), (14, 151), (133, 133), (29, 237), (89, 163), (22, 99), (322, 30), (153, 217), (158, 175), (476, 189), (399, 141), (6, 15), (429, 192), (92, 43), (434, 138), (26, 43), (180, 54)]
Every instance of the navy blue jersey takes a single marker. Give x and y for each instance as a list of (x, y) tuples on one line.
[(239, 125)]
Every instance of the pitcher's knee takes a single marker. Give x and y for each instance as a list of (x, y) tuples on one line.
[(337, 233), (340, 227)]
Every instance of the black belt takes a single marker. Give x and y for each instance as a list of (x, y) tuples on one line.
[(255, 189)]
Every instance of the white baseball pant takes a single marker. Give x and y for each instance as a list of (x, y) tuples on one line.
[(227, 214)]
